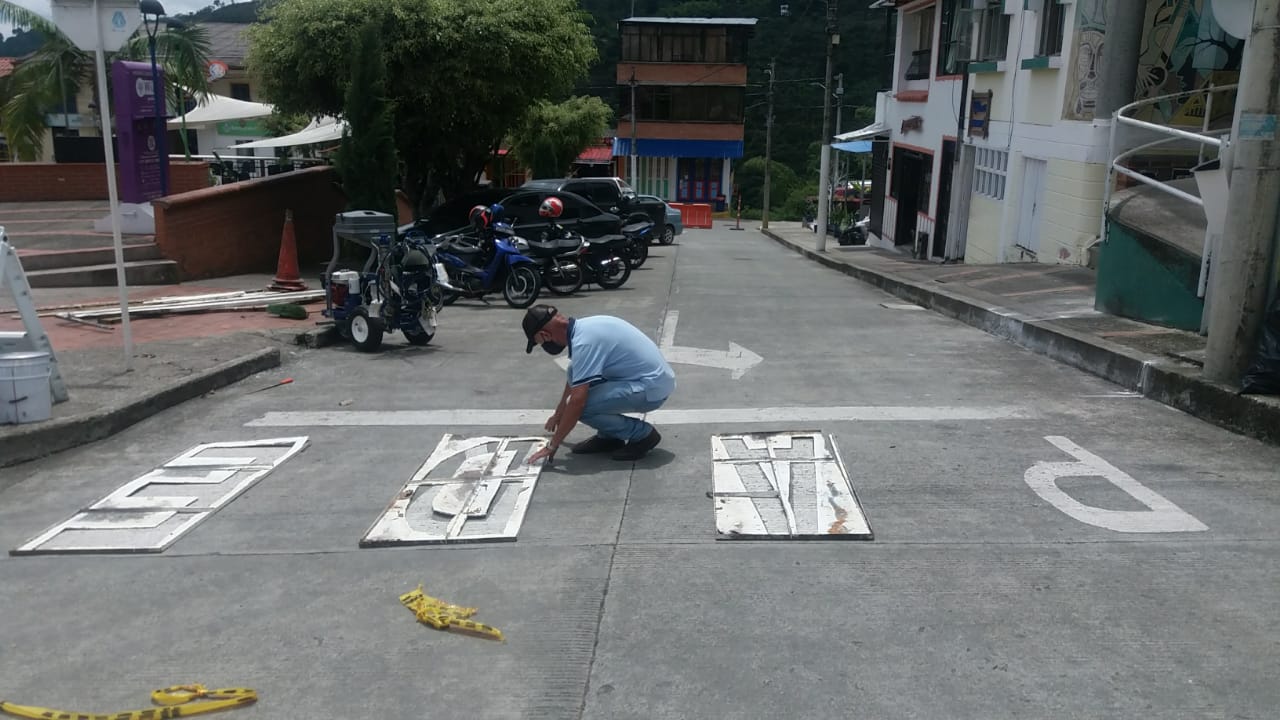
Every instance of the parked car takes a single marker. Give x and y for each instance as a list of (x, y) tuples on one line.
[(520, 208), (612, 195), (672, 226)]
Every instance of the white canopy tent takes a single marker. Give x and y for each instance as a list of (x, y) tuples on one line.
[(323, 130), (219, 108)]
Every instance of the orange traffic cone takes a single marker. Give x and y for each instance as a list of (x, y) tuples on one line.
[(288, 278)]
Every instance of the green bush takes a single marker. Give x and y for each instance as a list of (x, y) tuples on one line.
[(750, 179)]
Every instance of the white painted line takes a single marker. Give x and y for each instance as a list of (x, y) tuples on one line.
[(788, 485), (707, 416), (1162, 517), (484, 499), (130, 520)]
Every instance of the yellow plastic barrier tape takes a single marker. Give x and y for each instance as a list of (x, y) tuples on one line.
[(443, 616), (178, 702)]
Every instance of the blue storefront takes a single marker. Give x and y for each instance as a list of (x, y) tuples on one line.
[(694, 171)]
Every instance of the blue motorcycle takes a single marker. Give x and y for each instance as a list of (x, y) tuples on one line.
[(477, 266)]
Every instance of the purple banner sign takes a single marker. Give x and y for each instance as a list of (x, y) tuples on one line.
[(137, 146)]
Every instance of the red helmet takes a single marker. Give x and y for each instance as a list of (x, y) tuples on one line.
[(552, 207), (480, 216)]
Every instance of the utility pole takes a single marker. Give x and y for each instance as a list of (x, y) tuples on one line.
[(634, 153), (768, 145), (839, 107), (824, 170), (1241, 277)]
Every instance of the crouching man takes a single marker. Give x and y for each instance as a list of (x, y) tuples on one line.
[(615, 369)]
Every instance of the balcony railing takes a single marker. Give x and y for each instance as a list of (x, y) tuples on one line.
[(919, 67)]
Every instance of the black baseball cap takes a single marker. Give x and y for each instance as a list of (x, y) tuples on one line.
[(534, 320)]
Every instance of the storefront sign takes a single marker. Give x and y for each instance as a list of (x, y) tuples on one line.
[(980, 114), (249, 128)]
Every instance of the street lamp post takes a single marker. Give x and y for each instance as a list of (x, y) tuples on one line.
[(152, 11)]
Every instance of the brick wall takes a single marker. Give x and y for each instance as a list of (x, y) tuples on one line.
[(236, 229), (40, 182)]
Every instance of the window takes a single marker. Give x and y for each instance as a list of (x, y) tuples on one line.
[(698, 103), (989, 170), (683, 44), (1053, 19), (951, 32), (240, 91), (993, 34), (922, 56)]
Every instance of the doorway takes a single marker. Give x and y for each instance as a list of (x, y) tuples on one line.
[(912, 177), (1034, 175), (938, 247)]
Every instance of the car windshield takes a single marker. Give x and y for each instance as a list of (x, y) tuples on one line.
[(625, 187)]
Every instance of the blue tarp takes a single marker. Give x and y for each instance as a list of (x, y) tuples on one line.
[(657, 147), (857, 146)]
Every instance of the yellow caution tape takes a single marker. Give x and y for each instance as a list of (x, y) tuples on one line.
[(177, 699), (443, 616)]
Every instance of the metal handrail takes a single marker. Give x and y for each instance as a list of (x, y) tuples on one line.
[(1203, 138)]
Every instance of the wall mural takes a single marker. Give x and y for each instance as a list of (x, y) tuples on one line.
[(1183, 48)]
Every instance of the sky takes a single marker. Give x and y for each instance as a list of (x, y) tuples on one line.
[(173, 7)]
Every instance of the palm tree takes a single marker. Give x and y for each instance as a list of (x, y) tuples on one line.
[(58, 69)]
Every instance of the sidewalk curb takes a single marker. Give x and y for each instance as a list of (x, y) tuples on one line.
[(65, 433), (1155, 377), (317, 338)]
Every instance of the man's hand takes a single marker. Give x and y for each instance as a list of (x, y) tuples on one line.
[(552, 423), (547, 452)]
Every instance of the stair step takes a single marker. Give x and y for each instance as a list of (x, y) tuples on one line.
[(62, 259), (138, 272)]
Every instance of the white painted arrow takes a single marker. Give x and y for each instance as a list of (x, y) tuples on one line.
[(738, 359)]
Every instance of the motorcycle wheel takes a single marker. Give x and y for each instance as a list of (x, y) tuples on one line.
[(366, 331), (668, 235), (522, 286), (563, 281), (418, 337), (613, 275), (637, 253)]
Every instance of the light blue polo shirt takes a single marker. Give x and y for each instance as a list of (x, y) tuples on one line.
[(608, 349)]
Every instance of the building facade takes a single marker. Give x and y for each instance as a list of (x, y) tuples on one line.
[(992, 150), (688, 77)]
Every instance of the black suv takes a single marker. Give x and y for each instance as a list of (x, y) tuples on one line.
[(612, 195), (520, 208)]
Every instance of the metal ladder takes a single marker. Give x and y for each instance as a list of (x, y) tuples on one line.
[(33, 339)]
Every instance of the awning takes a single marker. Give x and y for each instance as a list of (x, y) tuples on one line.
[(874, 130), (595, 156), (219, 108), (857, 146), (657, 147), (324, 130)]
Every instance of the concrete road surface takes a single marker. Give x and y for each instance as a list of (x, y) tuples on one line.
[(1044, 545)]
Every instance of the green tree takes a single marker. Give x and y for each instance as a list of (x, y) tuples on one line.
[(367, 159), (750, 179), (59, 69), (465, 72), (552, 135)]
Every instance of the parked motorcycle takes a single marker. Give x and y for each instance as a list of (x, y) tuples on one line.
[(604, 262), (558, 254), (479, 266), (639, 233)]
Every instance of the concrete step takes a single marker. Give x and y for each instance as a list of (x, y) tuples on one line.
[(138, 272), (64, 259)]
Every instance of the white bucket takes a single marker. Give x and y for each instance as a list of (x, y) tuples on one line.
[(24, 387)]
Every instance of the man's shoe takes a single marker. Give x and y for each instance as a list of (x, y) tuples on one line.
[(638, 449), (598, 444)]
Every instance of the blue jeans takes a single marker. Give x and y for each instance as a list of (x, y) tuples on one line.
[(607, 401)]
